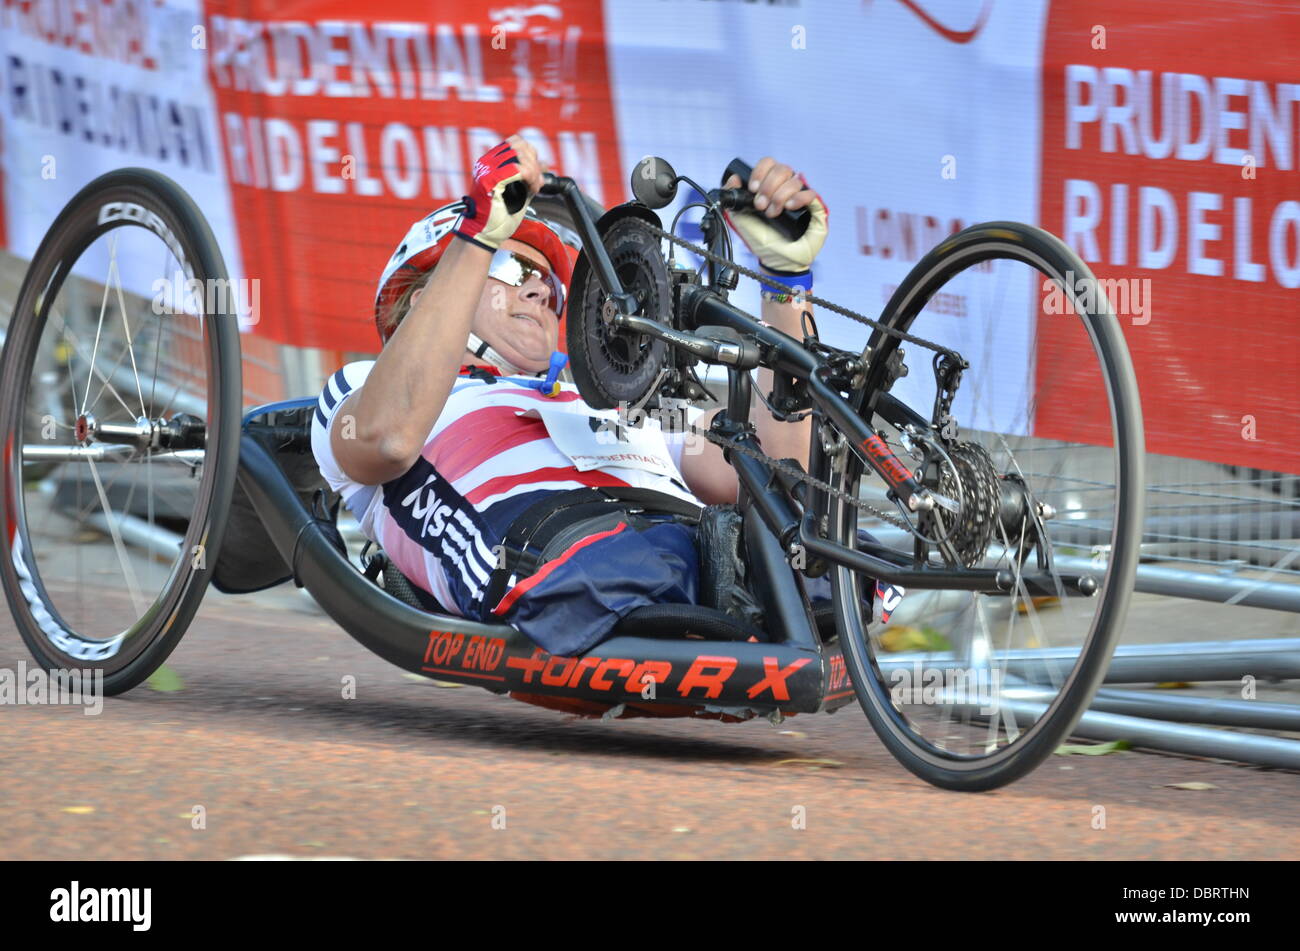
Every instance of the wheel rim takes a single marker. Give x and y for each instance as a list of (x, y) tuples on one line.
[(109, 494), (1004, 681)]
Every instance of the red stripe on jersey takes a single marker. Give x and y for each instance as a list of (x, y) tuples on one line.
[(533, 580), (500, 484), (478, 436)]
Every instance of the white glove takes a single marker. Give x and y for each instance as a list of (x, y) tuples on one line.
[(773, 250)]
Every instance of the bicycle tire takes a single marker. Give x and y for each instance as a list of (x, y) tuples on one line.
[(1043, 251), (153, 201)]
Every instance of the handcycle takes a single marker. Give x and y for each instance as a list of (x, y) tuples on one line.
[(1013, 527)]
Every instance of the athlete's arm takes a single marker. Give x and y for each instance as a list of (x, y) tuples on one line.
[(776, 187), (707, 474), (392, 414)]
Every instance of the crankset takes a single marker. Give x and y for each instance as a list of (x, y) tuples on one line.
[(612, 365)]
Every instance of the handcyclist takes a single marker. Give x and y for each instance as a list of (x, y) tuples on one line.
[(481, 477)]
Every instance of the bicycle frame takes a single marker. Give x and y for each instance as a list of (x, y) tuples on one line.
[(751, 344)]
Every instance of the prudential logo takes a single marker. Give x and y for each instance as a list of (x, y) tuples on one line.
[(949, 33), (75, 904)]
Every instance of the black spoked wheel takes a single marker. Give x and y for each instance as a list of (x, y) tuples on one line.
[(1044, 476), (119, 415)]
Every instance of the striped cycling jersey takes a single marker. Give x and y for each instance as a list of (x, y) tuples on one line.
[(482, 464)]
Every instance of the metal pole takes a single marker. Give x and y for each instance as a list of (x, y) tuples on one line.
[(1224, 711), (1025, 704), (137, 531), (1201, 586), (1268, 659), (1162, 579)]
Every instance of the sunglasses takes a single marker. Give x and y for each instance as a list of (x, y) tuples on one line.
[(515, 270)]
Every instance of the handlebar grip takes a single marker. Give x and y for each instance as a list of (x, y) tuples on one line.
[(516, 193), (790, 224), (515, 196), (551, 184)]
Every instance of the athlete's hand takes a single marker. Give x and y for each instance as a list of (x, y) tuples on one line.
[(486, 220), (778, 188)]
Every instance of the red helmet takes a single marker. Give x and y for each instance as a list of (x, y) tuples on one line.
[(429, 237)]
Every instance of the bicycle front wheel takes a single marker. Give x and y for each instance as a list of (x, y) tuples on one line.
[(1043, 461), (119, 418)]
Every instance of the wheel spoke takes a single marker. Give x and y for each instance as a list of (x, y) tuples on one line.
[(126, 327), (133, 586), (99, 327), (71, 338)]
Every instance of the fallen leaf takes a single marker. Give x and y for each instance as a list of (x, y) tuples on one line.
[(1039, 602), (1195, 787), (902, 637), (165, 680), (681, 828), (1091, 749), (79, 810), (1172, 685), (815, 763), (795, 733)]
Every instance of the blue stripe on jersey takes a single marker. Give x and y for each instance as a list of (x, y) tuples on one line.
[(344, 388), (341, 381), (431, 512), (320, 417)]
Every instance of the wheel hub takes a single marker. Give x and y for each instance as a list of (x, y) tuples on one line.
[(85, 428)]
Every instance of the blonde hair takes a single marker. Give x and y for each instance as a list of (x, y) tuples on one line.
[(402, 306)]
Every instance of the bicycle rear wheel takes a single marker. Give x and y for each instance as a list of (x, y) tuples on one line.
[(119, 416), (969, 690)]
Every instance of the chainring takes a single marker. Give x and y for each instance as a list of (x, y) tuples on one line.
[(613, 367)]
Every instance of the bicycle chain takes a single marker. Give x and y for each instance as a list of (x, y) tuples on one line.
[(810, 298)]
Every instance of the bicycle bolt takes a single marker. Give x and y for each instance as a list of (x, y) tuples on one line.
[(920, 503), (1046, 511)]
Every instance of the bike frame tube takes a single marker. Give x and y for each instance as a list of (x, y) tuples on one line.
[(784, 354)]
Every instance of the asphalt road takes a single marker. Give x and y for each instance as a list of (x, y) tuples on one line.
[(261, 740)]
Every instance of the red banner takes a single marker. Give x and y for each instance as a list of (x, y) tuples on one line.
[(1171, 162), (340, 130)]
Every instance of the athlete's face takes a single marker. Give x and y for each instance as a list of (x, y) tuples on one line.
[(518, 321)]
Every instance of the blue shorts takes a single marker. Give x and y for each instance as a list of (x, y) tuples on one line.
[(573, 601)]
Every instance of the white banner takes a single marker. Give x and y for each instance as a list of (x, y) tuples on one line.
[(912, 120), (92, 87)]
